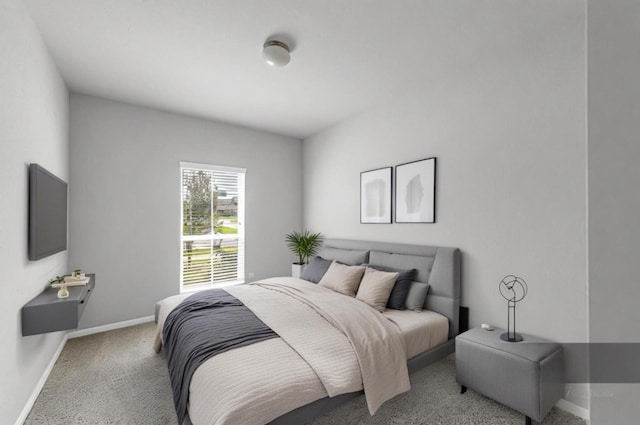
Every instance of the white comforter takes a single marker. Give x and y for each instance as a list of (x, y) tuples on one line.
[(329, 344)]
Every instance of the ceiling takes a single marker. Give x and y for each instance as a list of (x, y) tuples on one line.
[(202, 57)]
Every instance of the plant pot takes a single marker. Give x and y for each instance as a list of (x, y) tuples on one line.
[(296, 269)]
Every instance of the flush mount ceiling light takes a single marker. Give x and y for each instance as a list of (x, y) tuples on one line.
[(276, 53)]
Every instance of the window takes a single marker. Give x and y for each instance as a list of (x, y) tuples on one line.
[(212, 237)]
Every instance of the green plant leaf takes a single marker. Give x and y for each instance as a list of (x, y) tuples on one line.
[(304, 244)]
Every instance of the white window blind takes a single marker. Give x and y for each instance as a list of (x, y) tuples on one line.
[(212, 234)]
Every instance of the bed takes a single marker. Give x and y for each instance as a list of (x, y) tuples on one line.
[(321, 356)]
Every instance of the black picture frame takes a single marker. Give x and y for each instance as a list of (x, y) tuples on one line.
[(376, 206), (415, 191)]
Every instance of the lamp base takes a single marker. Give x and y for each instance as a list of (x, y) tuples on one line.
[(511, 337)]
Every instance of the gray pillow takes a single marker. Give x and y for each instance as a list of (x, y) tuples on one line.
[(417, 295), (315, 269)]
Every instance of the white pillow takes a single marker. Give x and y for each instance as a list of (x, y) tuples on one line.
[(375, 287), (343, 279)]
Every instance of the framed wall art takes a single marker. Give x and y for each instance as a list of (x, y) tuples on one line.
[(415, 194), (375, 195)]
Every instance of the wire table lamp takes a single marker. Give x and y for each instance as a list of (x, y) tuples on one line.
[(513, 289)]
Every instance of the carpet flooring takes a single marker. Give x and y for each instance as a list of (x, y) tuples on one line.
[(115, 377)]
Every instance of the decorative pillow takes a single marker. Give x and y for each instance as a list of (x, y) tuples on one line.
[(315, 269), (398, 297), (343, 279), (417, 295), (376, 287)]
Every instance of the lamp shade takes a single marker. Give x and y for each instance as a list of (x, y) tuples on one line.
[(276, 53)]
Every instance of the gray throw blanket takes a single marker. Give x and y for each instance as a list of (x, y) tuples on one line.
[(203, 325)]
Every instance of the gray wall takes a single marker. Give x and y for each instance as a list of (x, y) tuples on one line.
[(33, 128), (509, 135), (614, 193), (125, 199)]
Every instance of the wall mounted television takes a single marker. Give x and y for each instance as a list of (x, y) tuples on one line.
[(47, 213)]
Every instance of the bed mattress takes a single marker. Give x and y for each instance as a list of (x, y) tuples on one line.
[(422, 330)]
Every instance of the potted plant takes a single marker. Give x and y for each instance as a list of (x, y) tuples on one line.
[(305, 245)]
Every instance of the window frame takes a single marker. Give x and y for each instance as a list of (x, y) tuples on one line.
[(240, 236)]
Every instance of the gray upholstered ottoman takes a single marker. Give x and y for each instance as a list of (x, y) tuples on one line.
[(527, 376)]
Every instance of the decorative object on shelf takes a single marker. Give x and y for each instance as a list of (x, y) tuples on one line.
[(375, 195), (77, 278), (63, 292), (276, 53), (415, 200), (57, 280), (513, 289), (305, 245)]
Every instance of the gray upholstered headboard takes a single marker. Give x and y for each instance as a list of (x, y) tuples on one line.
[(437, 266)]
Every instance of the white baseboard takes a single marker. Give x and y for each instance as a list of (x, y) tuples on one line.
[(574, 409), (73, 334), (43, 379), (110, 327)]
